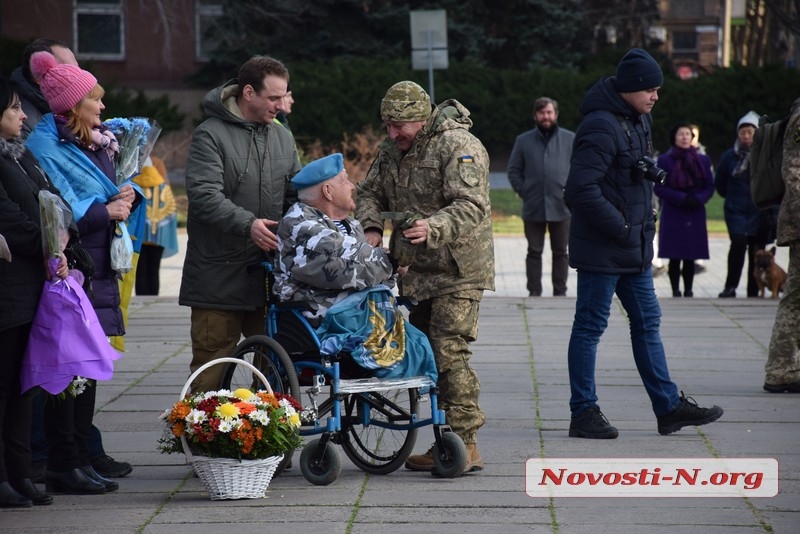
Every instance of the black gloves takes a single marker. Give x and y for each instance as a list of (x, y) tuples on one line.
[(691, 202)]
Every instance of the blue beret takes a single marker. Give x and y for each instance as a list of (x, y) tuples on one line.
[(318, 171)]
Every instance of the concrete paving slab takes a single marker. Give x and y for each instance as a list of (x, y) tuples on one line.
[(716, 348)]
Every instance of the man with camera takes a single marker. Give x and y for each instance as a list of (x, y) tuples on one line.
[(610, 191)]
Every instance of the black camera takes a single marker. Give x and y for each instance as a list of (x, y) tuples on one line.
[(648, 169)]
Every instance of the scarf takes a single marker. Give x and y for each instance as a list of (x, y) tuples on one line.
[(687, 171), (743, 164), (12, 147), (78, 180)]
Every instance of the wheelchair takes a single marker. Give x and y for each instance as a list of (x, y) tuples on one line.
[(375, 421)]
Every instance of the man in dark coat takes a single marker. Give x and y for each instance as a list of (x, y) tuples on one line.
[(610, 190), (537, 170)]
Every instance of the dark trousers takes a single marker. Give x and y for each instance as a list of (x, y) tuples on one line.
[(15, 408), (67, 425), (39, 439), (676, 273), (559, 239), (147, 269), (742, 245)]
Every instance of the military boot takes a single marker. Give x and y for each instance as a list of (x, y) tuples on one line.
[(420, 462), (474, 460)]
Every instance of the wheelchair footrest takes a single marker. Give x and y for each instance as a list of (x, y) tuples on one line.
[(362, 385)]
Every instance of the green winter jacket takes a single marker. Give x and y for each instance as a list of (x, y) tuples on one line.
[(444, 177), (236, 171)]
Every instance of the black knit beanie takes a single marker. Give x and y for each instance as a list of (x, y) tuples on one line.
[(637, 71)]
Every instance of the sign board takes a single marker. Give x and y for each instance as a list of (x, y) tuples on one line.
[(429, 39)]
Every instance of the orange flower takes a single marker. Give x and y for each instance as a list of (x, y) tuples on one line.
[(268, 398), (245, 407), (179, 412), (178, 429)]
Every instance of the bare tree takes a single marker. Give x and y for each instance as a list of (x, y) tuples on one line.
[(767, 33)]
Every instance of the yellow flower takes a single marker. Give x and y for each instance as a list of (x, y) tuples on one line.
[(243, 393), (294, 419), (228, 411)]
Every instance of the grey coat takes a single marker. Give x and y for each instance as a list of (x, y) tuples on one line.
[(537, 170), (236, 171)]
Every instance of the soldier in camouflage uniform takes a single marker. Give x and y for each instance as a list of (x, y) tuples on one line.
[(783, 364), (433, 167), (322, 253)]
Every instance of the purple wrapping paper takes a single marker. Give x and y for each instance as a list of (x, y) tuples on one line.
[(66, 340)]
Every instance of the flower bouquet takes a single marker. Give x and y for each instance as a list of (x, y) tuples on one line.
[(233, 439), (136, 137)]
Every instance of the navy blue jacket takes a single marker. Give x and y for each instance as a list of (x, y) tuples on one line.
[(613, 221), (742, 216)]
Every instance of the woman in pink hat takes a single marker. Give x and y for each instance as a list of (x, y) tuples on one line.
[(77, 152)]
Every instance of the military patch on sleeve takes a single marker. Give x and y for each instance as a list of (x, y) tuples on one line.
[(796, 136), (466, 159)]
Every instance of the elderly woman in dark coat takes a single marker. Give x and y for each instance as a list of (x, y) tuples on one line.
[(77, 152), (682, 235), (749, 228)]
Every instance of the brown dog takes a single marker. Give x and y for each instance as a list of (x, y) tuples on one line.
[(768, 274)]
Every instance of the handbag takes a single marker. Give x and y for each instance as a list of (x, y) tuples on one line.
[(78, 258)]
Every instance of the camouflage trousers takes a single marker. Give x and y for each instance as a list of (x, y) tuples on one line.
[(783, 363), (451, 323)]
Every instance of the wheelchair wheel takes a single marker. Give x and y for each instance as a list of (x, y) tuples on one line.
[(267, 356), (373, 448), (320, 470), (455, 456)]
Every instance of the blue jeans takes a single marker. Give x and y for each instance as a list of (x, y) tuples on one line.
[(592, 308)]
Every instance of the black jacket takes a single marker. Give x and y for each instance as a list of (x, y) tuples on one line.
[(613, 222), (21, 280)]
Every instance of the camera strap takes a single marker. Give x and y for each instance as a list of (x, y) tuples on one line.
[(627, 127)]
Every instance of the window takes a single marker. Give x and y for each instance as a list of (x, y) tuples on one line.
[(684, 45), (207, 12), (99, 29)]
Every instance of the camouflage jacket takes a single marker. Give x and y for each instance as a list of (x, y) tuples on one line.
[(444, 177), (319, 264), (788, 218)]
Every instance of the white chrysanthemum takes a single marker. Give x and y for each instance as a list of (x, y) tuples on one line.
[(196, 417), (288, 405), (227, 425), (260, 416)]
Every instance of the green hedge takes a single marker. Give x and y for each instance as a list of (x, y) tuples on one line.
[(344, 95)]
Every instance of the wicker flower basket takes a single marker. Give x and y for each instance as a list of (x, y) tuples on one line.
[(226, 478)]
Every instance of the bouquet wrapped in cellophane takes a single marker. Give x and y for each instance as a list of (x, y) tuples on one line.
[(136, 137), (66, 343)]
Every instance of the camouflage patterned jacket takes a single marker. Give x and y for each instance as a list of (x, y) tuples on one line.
[(319, 264), (444, 177), (788, 219)]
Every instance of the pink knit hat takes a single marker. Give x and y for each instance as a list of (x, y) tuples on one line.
[(62, 85)]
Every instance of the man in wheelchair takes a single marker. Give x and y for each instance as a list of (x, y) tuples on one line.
[(325, 262)]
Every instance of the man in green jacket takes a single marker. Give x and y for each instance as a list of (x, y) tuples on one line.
[(433, 167), (237, 180)]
